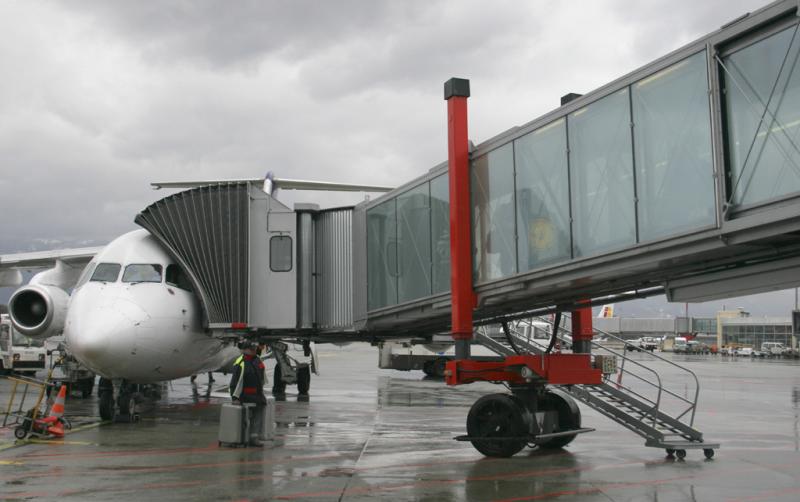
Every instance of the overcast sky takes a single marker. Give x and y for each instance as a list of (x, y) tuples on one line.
[(99, 98)]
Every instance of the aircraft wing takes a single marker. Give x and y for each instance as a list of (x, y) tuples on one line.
[(11, 265), (283, 184)]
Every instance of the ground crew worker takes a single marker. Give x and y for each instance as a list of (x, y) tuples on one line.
[(247, 386)]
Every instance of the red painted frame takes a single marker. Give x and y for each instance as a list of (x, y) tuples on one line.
[(556, 369)]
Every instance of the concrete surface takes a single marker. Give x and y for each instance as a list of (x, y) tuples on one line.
[(370, 434)]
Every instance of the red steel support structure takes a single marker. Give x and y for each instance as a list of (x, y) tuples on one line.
[(582, 330), (456, 92)]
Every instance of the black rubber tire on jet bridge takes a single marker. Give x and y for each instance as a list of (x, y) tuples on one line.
[(569, 416), (303, 379), (278, 385), (497, 416)]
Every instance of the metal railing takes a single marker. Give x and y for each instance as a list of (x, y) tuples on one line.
[(642, 373)]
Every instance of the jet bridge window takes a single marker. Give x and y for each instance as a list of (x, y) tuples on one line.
[(280, 253), (142, 273), (106, 272), (175, 276)]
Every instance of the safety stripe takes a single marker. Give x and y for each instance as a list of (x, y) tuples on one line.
[(237, 392)]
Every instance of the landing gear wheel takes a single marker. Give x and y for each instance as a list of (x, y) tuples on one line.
[(670, 452), (496, 425), (569, 417), (278, 385), (127, 405), (87, 385), (303, 380), (681, 454), (106, 405), (709, 453), (427, 368), (20, 432)]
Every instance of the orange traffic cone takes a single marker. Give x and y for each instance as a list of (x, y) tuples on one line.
[(58, 406), (56, 412)]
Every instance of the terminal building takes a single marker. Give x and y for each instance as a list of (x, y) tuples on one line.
[(735, 328)]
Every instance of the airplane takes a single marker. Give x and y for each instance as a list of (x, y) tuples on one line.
[(127, 310), (606, 311)]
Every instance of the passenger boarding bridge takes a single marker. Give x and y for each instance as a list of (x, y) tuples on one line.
[(682, 177)]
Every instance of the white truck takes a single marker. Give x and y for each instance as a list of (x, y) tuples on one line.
[(18, 353)]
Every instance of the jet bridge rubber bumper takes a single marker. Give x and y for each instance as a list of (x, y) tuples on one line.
[(555, 369)]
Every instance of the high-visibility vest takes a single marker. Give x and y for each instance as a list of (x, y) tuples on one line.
[(237, 391)]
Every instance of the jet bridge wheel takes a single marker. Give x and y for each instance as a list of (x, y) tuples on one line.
[(303, 380), (496, 425), (569, 416)]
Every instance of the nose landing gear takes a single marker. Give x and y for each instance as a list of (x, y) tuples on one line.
[(118, 400)]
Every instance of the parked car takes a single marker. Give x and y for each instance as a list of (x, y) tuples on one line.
[(649, 343), (772, 348), (744, 351)]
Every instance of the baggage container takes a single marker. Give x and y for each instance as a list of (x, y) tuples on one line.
[(269, 419), (234, 425)]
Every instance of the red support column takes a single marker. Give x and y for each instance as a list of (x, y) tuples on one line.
[(582, 331), (456, 92)]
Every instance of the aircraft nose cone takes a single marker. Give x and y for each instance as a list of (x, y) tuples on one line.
[(101, 338)]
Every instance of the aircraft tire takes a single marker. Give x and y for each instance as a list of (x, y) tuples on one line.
[(87, 385), (106, 404), (303, 380)]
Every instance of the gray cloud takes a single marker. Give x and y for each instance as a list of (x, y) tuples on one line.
[(99, 98)]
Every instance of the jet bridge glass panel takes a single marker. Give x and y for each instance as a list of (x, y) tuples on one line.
[(440, 233), (382, 255), (493, 214), (601, 163), (762, 90), (542, 181), (672, 143), (414, 244)]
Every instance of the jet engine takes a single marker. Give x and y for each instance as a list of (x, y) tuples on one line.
[(38, 310)]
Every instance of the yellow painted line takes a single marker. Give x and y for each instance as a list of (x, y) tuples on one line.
[(87, 426), (10, 462), (23, 442), (57, 441)]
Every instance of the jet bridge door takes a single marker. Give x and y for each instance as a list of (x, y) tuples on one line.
[(274, 298), (273, 285)]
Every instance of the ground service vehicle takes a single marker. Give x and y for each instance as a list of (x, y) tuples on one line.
[(18, 353), (771, 349)]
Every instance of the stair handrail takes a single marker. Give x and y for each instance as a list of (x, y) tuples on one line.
[(659, 385), (692, 403)]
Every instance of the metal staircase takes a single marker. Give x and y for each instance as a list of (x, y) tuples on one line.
[(639, 399)]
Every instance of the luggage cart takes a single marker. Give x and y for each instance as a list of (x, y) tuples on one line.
[(29, 420)]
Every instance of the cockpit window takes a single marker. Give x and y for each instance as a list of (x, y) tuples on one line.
[(106, 272), (178, 278), (142, 273)]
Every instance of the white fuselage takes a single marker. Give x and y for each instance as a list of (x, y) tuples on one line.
[(134, 325)]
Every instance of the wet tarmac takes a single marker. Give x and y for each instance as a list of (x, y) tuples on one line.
[(370, 434)]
